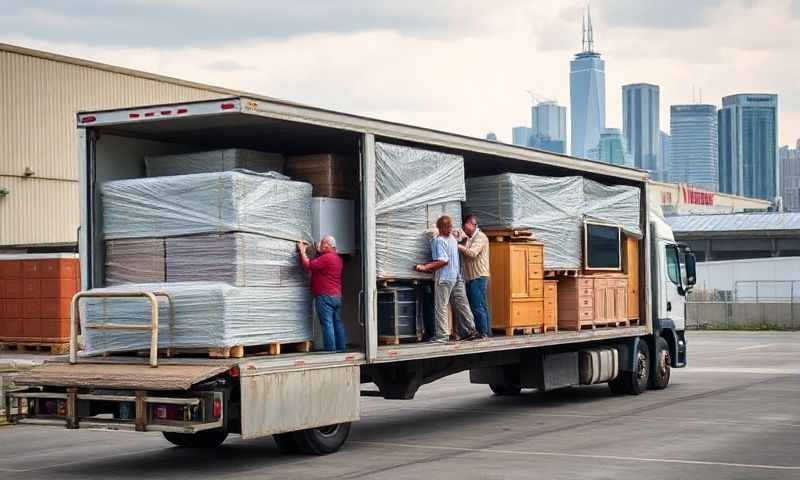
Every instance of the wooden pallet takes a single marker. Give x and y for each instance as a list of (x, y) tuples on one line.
[(510, 332), (54, 348), (237, 351), (561, 273), (389, 340)]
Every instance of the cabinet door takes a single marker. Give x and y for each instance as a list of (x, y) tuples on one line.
[(611, 306), (599, 303), (621, 303), (518, 264)]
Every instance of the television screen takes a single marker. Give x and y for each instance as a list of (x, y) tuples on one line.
[(602, 245)]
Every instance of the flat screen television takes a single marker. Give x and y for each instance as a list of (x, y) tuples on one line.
[(602, 246)]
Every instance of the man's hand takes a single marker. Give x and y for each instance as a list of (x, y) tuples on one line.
[(420, 268), (462, 248), (301, 246)]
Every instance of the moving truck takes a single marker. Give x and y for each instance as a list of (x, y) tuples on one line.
[(308, 400)]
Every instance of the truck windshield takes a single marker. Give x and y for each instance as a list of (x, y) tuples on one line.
[(673, 265)]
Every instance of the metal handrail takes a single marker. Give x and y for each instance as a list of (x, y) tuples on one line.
[(75, 316)]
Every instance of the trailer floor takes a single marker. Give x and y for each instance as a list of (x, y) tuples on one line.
[(732, 414)]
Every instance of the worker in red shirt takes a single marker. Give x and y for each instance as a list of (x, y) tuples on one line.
[(326, 287)]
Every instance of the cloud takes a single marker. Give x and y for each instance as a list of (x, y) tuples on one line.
[(184, 23), (465, 68)]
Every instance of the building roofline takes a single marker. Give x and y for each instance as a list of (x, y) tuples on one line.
[(55, 57)]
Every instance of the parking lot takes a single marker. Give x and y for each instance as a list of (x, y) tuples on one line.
[(734, 413)]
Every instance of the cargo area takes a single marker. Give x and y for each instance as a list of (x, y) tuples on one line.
[(126, 150)]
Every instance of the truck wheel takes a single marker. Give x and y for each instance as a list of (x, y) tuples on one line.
[(204, 439), (634, 383), (505, 389), (659, 379), (286, 442), (322, 440)]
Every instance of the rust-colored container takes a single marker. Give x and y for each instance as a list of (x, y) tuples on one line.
[(10, 269), (31, 288), (31, 269), (59, 268), (32, 308), (55, 308), (13, 288), (59, 287)]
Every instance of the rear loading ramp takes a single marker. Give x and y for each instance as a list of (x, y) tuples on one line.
[(121, 375)]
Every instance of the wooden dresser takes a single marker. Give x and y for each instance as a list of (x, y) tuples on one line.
[(517, 288), (593, 300), (551, 305)]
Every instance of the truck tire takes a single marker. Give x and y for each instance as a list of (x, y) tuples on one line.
[(204, 439), (659, 378), (286, 442), (634, 383), (322, 440), (505, 389)]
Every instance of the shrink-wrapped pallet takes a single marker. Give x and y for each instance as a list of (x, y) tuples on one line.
[(414, 187), (332, 175), (262, 203), (554, 208), (240, 259), (213, 161), (138, 260), (207, 315)]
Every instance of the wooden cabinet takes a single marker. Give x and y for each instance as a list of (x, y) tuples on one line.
[(517, 287), (550, 305), (592, 300), (631, 269)]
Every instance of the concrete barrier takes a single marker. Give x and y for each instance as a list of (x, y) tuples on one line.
[(781, 316)]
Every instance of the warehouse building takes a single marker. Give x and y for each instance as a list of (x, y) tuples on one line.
[(40, 94)]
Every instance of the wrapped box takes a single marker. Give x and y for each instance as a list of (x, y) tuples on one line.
[(554, 208), (139, 260), (332, 175), (266, 204), (207, 315), (239, 259), (414, 188), (213, 161)]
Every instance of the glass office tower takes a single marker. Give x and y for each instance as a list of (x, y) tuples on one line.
[(694, 150), (748, 139)]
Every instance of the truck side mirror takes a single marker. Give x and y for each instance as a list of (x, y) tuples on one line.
[(691, 269)]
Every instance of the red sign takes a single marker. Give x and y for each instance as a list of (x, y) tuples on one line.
[(697, 197)]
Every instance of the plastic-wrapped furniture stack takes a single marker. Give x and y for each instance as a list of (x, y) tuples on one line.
[(213, 161), (228, 257), (554, 208), (414, 188)]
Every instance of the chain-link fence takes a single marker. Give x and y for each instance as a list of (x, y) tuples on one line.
[(752, 304)]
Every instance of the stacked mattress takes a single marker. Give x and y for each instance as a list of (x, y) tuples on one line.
[(554, 208), (222, 244), (414, 188)]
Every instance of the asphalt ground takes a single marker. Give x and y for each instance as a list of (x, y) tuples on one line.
[(734, 413)]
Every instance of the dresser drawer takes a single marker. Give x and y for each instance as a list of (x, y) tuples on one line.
[(620, 283), (535, 270), (585, 292), (586, 302), (585, 283), (549, 290), (536, 288), (527, 314), (586, 314), (535, 255)]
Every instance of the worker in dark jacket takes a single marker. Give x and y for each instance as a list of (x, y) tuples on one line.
[(326, 287)]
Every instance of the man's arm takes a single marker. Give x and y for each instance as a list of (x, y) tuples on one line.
[(430, 266), (301, 253), (439, 254), (478, 245)]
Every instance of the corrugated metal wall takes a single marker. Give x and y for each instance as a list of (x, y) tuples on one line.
[(38, 101)]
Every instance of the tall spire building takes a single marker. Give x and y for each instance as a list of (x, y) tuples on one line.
[(587, 92)]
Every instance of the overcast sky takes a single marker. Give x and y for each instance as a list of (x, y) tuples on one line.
[(457, 65)]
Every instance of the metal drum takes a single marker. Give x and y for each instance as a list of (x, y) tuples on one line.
[(398, 313)]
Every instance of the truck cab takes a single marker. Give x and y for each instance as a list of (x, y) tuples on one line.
[(674, 275)]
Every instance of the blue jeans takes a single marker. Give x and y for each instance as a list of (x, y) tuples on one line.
[(329, 312), (476, 293)]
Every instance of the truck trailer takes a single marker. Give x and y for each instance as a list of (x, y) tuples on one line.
[(307, 400)]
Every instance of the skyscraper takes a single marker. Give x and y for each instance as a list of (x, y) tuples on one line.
[(694, 152), (611, 148), (748, 139), (549, 122), (587, 92), (640, 125), (521, 136), (790, 177), (666, 148)]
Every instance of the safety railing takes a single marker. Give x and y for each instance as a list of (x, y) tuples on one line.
[(75, 318)]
